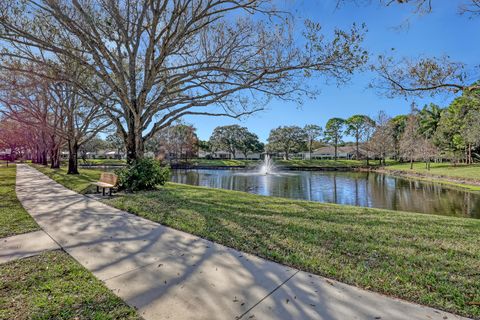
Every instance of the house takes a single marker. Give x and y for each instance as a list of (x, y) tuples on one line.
[(221, 154), (344, 152), (5, 154)]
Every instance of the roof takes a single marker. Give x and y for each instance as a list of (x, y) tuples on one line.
[(331, 150)]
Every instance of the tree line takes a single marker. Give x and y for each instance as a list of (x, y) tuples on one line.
[(144, 65), (431, 133)]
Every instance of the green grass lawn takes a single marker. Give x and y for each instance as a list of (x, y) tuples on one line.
[(290, 163), (223, 162), (103, 162), (13, 217), (470, 172), (80, 183), (54, 286), (428, 259), (323, 163)]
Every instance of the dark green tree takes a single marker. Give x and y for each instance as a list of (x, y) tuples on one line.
[(313, 133), (287, 139), (334, 130), (357, 125)]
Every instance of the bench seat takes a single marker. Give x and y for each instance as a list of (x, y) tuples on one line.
[(103, 184), (107, 181)]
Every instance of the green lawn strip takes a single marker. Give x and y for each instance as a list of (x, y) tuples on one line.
[(323, 163), (13, 217), (103, 162), (471, 172), (81, 183), (288, 163), (428, 259), (223, 162), (54, 286), (458, 176)]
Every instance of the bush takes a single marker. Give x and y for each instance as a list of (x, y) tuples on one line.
[(143, 174)]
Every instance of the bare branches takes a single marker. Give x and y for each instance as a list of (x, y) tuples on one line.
[(165, 59), (418, 77)]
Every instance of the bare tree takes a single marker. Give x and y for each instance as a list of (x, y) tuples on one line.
[(381, 142), (54, 106), (27, 101), (410, 139), (162, 60)]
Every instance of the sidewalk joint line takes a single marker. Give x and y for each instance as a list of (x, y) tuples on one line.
[(268, 295), (134, 269)]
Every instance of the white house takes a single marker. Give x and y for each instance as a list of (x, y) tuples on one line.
[(221, 154), (345, 152)]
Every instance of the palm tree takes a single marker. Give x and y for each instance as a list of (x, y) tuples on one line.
[(429, 118)]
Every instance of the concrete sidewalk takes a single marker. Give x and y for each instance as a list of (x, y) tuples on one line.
[(168, 274), (25, 245)]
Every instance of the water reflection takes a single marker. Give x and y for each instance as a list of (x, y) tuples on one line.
[(352, 188)]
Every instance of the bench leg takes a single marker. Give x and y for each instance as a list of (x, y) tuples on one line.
[(103, 191), (98, 190), (110, 192)]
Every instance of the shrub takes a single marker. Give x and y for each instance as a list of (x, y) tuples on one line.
[(143, 174)]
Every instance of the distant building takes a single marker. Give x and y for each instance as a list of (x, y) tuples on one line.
[(220, 154), (101, 154), (345, 152)]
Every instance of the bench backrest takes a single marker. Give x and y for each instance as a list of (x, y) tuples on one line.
[(109, 178)]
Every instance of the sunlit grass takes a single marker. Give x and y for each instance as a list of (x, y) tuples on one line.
[(81, 183), (54, 286), (442, 169)]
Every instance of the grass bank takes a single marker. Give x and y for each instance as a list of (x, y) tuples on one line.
[(54, 286), (102, 162), (432, 260), (465, 176), (81, 183), (223, 163), (13, 217), (323, 163), (287, 163)]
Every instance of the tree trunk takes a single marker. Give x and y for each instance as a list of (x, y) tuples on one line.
[(44, 158), (134, 145), (335, 151), (55, 157), (411, 163), (356, 144), (72, 157)]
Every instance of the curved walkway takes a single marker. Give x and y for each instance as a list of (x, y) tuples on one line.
[(169, 274)]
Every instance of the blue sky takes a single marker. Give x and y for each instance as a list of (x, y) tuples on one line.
[(443, 32)]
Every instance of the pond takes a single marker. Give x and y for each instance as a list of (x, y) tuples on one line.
[(365, 189)]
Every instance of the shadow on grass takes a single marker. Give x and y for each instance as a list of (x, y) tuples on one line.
[(411, 256)]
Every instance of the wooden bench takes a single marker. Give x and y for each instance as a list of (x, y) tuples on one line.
[(107, 181)]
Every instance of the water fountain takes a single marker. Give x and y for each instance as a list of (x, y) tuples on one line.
[(267, 167)]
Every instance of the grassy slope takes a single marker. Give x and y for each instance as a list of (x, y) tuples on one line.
[(462, 176), (103, 162), (432, 260), (13, 217), (80, 183), (291, 163), (224, 162), (54, 286), (321, 163), (471, 172)]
